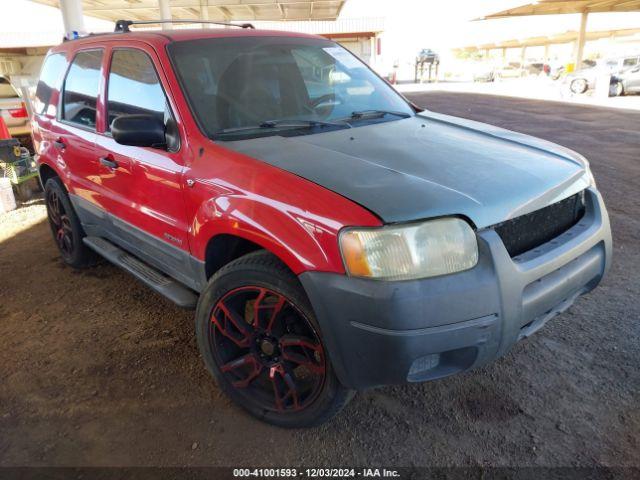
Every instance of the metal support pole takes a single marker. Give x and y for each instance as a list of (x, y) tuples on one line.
[(581, 40), (204, 12), (72, 18), (373, 54), (546, 53), (165, 13)]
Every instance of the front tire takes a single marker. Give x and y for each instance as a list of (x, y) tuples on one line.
[(65, 226), (259, 338), (579, 86)]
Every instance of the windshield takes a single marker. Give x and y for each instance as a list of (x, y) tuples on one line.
[(279, 85)]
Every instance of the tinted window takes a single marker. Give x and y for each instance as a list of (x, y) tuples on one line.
[(134, 87), (81, 88), (50, 75), (629, 62)]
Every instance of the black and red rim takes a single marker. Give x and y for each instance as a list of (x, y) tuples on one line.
[(267, 349), (60, 223)]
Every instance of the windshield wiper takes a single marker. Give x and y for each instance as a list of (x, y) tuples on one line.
[(293, 124), (359, 115), (302, 124)]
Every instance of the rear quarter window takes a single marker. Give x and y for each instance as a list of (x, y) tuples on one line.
[(79, 100), (50, 77)]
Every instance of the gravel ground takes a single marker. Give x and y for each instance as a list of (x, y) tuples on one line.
[(95, 369)]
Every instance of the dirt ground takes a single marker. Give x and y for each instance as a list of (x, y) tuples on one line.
[(95, 369)]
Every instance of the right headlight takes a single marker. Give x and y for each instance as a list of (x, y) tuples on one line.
[(404, 252)]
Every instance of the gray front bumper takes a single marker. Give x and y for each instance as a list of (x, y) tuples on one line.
[(380, 332)]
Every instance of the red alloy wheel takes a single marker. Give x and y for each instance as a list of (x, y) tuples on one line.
[(61, 223), (267, 349)]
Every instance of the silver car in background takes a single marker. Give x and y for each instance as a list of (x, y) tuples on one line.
[(585, 79)]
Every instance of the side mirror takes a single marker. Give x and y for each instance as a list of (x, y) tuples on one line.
[(139, 131)]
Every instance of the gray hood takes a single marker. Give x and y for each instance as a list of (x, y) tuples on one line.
[(430, 165)]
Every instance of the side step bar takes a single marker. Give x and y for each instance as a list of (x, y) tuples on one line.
[(164, 285)]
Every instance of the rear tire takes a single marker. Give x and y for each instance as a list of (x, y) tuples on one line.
[(65, 226), (617, 89), (259, 338)]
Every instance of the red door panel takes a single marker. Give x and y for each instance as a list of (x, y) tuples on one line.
[(144, 189), (74, 149)]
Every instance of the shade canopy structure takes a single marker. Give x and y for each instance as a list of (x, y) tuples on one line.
[(558, 7), (559, 38), (214, 10)]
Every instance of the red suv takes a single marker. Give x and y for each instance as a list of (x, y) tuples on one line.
[(331, 235)]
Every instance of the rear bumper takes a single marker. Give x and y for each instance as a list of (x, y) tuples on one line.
[(380, 333)]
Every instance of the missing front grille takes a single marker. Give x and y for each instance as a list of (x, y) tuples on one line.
[(529, 231)]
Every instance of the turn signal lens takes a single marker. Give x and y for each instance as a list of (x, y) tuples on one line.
[(419, 250), (355, 257)]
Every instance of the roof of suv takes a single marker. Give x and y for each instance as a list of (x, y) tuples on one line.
[(153, 36)]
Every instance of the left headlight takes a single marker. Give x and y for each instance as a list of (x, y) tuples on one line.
[(404, 252)]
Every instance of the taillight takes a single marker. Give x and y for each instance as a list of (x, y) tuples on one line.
[(19, 112)]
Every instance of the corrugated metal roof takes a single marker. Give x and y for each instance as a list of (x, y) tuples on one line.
[(218, 10)]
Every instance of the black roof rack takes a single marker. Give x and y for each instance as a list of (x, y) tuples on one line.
[(123, 25)]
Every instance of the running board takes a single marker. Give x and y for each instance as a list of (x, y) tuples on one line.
[(164, 285)]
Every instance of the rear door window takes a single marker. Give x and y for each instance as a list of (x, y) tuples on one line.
[(134, 87), (81, 89), (50, 76)]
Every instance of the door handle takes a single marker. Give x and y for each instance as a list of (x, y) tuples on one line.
[(59, 144), (109, 163)]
